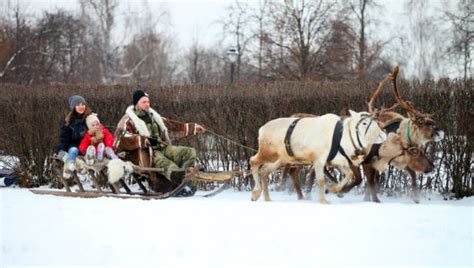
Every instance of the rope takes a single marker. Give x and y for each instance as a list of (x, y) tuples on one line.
[(231, 141)]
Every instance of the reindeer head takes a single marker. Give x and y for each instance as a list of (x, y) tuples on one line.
[(424, 123), (393, 151)]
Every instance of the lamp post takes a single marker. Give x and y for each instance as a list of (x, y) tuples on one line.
[(232, 53)]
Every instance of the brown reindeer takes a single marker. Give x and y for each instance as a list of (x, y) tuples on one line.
[(414, 132), (401, 149)]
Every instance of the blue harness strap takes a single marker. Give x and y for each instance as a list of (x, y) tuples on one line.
[(288, 137)]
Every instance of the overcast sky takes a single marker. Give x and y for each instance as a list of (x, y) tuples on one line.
[(191, 18), (188, 18)]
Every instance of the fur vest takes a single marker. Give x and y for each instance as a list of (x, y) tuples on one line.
[(139, 125)]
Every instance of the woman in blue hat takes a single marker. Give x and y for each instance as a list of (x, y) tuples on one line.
[(72, 131)]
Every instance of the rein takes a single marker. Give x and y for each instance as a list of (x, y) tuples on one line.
[(230, 140)]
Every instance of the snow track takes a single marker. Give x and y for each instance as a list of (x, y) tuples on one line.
[(229, 230)]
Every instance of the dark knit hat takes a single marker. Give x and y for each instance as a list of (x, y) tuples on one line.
[(75, 100), (137, 95)]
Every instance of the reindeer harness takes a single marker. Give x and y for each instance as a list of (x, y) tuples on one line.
[(374, 150), (292, 126), (336, 140)]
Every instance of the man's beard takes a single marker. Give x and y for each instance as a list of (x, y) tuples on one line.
[(147, 109)]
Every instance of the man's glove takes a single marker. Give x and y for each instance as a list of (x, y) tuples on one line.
[(153, 141)]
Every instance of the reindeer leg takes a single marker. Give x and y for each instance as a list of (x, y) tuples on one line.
[(296, 183), (309, 183), (257, 189), (336, 188), (370, 173), (282, 185), (266, 170), (266, 194), (329, 176), (414, 191), (319, 171), (353, 183)]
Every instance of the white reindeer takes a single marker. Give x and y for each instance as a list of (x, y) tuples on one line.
[(311, 144)]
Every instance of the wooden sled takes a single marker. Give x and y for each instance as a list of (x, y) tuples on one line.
[(97, 174)]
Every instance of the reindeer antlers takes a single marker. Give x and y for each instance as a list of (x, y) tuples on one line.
[(408, 106), (376, 94), (379, 90)]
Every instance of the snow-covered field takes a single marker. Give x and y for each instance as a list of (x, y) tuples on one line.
[(230, 231)]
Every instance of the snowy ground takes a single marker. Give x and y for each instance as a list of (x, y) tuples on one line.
[(230, 231)]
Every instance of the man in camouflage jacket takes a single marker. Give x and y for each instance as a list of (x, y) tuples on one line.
[(140, 119)]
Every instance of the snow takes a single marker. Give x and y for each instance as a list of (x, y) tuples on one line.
[(228, 230)]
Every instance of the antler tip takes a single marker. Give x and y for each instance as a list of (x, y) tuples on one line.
[(395, 72)]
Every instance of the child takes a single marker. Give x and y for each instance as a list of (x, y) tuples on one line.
[(96, 140)]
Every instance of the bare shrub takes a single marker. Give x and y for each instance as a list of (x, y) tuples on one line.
[(31, 117)]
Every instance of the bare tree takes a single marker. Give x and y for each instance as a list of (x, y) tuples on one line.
[(422, 40), (17, 42), (148, 57), (300, 31), (103, 12), (339, 59), (366, 54), (59, 50), (203, 65), (236, 27), (462, 21), (194, 67), (52, 50), (259, 19)]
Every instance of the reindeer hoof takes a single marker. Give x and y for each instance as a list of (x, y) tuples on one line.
[(332, 189), (255, 196), (340, 195), (323, 202), (415, 198)]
